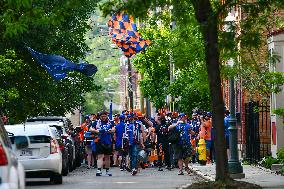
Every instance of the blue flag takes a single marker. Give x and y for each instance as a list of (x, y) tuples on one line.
[(58, 66)]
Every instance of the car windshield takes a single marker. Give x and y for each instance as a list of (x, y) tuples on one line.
[(35, 139)]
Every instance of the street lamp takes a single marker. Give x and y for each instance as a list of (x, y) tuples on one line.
[(235, 167)]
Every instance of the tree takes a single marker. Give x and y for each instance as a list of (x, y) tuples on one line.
[(51, 27), (183, 45), (106, 59)]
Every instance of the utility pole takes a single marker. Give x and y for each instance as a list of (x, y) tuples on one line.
[(130, 85)]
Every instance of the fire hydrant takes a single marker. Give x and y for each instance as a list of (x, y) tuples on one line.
[(201, 149)]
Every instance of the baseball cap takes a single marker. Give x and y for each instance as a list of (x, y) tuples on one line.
[(122, 116), (181, 115)]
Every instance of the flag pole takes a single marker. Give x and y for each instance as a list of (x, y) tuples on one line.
[(110, 110), (130, 87)]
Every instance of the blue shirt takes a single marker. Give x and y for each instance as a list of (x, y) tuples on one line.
[(93, 124), (133, 131), (105, 137), (183, 129), (195, 125), (119, 131), (227, 125)]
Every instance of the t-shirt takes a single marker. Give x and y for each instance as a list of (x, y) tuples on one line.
[(227, 125), (162, 132), (119, 131), (133, 131), (195, 125), (93, 124), (183, 129), (105, 137), (206, 128)]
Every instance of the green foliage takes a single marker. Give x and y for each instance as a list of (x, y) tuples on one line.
[(153, 64), (184, 47), (52, 27), (278, 111), (268, 161), (280, 155), (106, 59)]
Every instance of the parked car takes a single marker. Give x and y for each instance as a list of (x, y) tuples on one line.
[(62, 126), (43, 158), (12, 174), (66, 149)]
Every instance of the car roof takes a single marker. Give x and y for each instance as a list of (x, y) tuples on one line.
[(57, 123), (29, 129), (46, 118)]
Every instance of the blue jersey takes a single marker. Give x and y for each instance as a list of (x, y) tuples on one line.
[(227, 125), (133, 131), (195, 125), (183, 129), (104, 135), (93, 124), (119, 131)]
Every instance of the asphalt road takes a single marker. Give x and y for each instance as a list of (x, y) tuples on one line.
[(149, 178)]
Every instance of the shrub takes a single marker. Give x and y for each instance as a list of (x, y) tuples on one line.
[(280, 155), (268, 161)]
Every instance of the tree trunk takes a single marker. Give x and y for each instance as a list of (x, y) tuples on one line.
[(209, 28)]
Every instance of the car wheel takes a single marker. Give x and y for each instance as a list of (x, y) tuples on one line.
[(74, 164), (56, 178), (71, 166), (65, 171)]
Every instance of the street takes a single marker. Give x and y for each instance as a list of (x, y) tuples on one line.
[(148, 178)]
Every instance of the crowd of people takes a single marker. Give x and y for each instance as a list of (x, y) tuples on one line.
[(129, 139)]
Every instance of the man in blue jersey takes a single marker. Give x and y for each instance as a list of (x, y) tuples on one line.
[(136, 136), (121, 142), (104, 129), (182, 151)]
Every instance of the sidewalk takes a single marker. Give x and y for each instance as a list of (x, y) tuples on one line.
[(263, 177)]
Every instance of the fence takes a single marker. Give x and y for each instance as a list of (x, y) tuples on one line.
[(257, 131)]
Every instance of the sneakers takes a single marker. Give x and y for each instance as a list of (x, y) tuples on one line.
[(99, 173), (128, 169), (160, 169), (208, 160), (188, 170), (108, 173), (134, 172), (180, 172)]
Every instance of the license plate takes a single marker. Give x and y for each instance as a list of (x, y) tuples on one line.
[(26, 152)]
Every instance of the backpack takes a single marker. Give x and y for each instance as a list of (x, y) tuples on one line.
[(173, 136)]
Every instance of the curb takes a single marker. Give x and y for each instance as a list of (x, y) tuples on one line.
[(202, 175), (198, 173)]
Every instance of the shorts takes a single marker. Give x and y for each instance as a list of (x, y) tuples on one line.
[(105, 149), (208, 144), (179, 152), (227, 142), (88, 150)]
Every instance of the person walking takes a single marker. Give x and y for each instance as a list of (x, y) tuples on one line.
[(162, 132), (121, 142), (104, 129), (182, 151), (136, 138)]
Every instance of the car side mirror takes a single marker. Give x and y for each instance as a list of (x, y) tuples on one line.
[(21, 142)]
